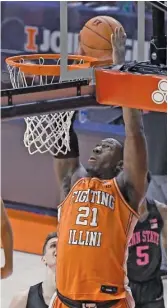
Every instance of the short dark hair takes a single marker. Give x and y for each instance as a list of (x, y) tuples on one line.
[(120, 145), (49, 237)]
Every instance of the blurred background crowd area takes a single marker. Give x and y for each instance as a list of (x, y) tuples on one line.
[(123, 6)]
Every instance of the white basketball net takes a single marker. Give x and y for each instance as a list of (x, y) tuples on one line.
[(44, 133)]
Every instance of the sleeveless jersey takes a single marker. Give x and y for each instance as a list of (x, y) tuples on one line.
[(35, 297), (95, 227), (145, 255)]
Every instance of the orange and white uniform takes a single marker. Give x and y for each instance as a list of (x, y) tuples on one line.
[(95, 227)]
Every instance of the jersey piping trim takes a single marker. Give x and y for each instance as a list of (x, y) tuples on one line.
[(129, 223), (122, 198), (52, 301), (118, 190)]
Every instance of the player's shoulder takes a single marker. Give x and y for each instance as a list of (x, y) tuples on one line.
[(160, 205), (162, 208), (20, 299)]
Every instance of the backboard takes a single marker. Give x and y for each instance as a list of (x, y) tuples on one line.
[(108, 9)]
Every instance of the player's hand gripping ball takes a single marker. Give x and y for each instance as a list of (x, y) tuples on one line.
[(95, 37)]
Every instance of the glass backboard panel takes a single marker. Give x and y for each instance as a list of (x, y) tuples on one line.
[(53, 27), (134, 16)]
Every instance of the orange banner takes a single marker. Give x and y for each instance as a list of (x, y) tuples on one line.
[(30, 230)]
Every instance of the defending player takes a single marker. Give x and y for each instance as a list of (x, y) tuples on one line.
[(40, 294), (7, 243), (99, 214), (145, 255)]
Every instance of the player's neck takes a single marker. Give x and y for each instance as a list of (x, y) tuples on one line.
[(103, 174), (49, 284), (143, 210)]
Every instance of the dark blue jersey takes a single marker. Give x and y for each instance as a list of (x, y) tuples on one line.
[(35, 297), (144, 259)]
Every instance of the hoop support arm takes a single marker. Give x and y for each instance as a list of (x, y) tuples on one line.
[(45, 92), (50, 106), (134, 85)]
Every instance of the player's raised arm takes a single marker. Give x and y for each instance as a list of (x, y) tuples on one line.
[(67, 167), (163, 212), (132, 181), (7, 242)]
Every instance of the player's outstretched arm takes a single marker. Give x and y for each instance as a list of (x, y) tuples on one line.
[(163, 212), (68, 168), (7, 242), (132, 181), (20, 300)]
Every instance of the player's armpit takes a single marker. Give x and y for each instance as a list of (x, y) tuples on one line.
[(163, 212), (78, 174), (133, 180), (71, 176), (64, 169), (20, 300)]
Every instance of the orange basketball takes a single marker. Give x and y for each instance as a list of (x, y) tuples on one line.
[(95, 37)]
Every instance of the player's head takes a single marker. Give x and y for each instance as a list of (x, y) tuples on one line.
[(106, 159), (50, 250)]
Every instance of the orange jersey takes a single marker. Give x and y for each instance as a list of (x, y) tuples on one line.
[(95, 227)]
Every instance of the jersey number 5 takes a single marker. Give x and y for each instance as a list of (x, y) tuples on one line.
[(80, 220), (142, 255)]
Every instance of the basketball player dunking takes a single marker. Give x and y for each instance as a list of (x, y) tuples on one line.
[(7, 243), (99, 213), (145, 255)]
